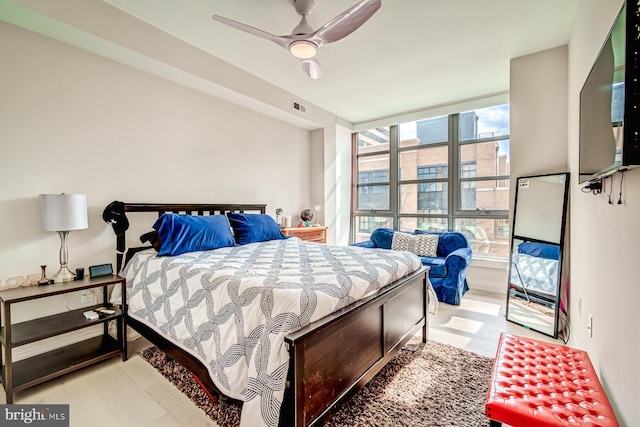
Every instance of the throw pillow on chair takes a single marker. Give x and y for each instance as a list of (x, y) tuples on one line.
[(421, 245)]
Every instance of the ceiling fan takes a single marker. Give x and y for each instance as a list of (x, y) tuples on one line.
[(304, 42)]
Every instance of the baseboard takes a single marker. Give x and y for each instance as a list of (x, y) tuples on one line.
[(488, 286), (488, 275)]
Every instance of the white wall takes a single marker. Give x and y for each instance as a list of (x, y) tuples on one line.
[(538, 85), (604, 241), (538, 138), (338, 184), (77, 122)]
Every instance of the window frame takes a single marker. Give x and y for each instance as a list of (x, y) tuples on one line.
[(454, 179), (458, 180), (356, 156)]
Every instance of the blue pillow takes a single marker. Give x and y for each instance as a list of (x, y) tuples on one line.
[(186, 233), (540, 250), (383, 237), (251, 228)]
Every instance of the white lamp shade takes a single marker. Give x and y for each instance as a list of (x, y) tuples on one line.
[(63, 212)]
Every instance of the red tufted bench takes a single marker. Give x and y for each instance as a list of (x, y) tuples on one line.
[(535, 383)]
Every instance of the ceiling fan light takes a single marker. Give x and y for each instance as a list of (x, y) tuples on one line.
[(303, 49)]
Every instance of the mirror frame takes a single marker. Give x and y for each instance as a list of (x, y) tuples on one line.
[(561, 254)]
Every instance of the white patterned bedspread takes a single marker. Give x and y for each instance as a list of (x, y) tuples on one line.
[(232, 307), (538, 274)]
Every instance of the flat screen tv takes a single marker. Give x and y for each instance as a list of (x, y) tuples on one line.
[(609, 125)]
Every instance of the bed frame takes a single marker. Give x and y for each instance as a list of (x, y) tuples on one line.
[(330, 358)]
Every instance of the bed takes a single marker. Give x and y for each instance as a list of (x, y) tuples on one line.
[(534, 271), (327, 354)]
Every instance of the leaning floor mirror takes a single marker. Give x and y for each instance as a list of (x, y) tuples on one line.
[(537, 248)]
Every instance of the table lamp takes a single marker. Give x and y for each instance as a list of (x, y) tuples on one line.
[(63, 213)]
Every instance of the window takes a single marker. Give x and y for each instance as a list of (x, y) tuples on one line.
[(366, 225), (372, 194), (502, 228), (442, 173), (468, 188), (483, 156), (432, 196), (374, 176)]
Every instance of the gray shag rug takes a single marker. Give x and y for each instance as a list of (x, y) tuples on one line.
[(423, 385)]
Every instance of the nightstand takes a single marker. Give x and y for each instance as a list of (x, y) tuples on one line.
[(20, 375), (310, 234)]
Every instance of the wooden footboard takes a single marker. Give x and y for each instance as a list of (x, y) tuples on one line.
[(339, 354)]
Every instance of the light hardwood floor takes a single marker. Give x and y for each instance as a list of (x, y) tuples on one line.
[(132, 393), (475, 325)]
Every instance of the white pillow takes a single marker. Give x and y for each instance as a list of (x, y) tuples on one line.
[(420, 244)]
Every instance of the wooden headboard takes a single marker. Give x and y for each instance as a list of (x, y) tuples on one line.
[(181, 208)]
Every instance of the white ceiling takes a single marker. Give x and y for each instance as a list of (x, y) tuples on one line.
[(411, 55)]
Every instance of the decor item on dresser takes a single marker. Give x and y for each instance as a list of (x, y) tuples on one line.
[(63, 213), (447, 267), (317, 320), (317, 208), (44, 280), (306, 218), (29, 280)]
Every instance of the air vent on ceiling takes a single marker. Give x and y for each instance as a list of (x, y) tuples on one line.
[(298, 106)]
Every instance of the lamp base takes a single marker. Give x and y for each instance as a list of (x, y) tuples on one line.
[(63, 275)]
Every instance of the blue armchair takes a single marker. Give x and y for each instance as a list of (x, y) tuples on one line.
[(448, 271)]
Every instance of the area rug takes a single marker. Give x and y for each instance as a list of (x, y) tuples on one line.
[(423, 385)]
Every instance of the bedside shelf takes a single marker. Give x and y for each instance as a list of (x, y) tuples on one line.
[(16, 376), (44, 367), (51, 326)]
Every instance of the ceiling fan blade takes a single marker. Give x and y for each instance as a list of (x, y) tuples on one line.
[(312, 68), (346, 23), (283, 41)]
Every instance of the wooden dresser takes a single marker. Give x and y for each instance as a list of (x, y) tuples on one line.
[(309, 234)]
